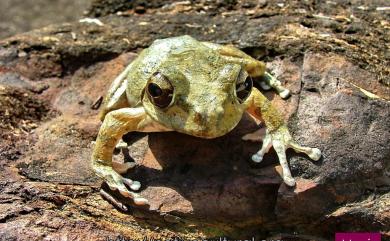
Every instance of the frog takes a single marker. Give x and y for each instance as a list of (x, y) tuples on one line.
[(193, 87)]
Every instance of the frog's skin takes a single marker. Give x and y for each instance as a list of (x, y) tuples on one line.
[(196, 95)]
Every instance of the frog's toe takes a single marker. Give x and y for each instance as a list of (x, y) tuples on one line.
[(126, 193), (257, 158), (137, 199), (251, 137), (133, 185), (267, 143), (284, 93), (121, 145), (123, 185), (264, 85), (119, 205), (289, 181), (257, 135), (313, 153), (279, 144), (141, 201)]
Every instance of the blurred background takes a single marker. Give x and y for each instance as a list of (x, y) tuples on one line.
[(17, 16)]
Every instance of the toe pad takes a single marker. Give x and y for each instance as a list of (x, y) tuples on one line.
[(135, 185), (141, 201), (285, 94), (315, 154), (289, 181), (257, 158)]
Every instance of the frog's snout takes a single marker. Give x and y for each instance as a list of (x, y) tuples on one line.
[(202, 119), (208, 118)]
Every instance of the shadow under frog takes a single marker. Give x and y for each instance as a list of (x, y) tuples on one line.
[(204, 179)]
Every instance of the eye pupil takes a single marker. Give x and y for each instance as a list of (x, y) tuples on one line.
[(154, 90), (244, 89)]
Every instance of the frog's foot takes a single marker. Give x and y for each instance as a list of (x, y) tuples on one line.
[(281, 140), (257, 135), (123, 185)]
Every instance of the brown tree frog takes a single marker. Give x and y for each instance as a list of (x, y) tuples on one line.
[(197, 88)]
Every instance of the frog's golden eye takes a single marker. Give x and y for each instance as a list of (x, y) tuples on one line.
[(243, 88), (159, 90)]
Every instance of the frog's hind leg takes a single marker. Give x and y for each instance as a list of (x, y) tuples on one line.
[(254, 67), (116, 94)]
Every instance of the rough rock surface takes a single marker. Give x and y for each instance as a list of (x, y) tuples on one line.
[(17, 16), (333, 56)]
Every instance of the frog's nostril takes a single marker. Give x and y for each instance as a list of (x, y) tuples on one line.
[(198, 117)]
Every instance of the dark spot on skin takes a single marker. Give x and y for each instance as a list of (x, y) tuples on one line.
[(198, 118)]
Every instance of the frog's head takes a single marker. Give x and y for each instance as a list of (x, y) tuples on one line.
[(197, 92)]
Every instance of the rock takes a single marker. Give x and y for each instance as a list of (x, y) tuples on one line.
[(20, 110), (100, 8), (19, 17), (353, 28), (197, 188)]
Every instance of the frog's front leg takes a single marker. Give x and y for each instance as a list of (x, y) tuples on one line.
[(117, 123), (277, 134)]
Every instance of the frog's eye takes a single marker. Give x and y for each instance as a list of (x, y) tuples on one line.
[(243, 88), (159, 90)]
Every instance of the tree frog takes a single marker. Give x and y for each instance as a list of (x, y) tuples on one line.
[(197, 88)]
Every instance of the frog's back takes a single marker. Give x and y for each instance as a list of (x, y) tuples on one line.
[(149, 61)]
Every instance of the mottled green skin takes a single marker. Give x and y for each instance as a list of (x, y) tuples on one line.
[(204, 102), (204, 77)]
